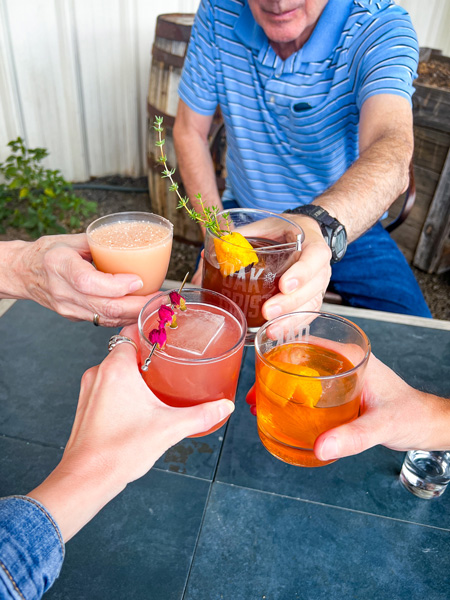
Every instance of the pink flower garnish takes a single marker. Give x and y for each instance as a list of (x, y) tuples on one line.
[(166, 315), (158, 336), (177, 300)]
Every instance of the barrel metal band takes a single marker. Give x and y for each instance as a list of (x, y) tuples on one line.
[(173, 31), (171, 60)]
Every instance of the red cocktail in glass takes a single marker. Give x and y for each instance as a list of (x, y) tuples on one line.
[(277, 244), (201, 359)]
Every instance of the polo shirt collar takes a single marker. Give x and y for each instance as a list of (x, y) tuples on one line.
[(323, 40)]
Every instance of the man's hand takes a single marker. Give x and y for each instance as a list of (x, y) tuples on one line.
[(56, 271), (392, 414), (303, 285), (121, 428), (197, 278)]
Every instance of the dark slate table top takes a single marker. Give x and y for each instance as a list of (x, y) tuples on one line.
[(218, 518)]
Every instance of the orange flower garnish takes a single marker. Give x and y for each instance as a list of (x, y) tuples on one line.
[(233, 251), (230, 256)]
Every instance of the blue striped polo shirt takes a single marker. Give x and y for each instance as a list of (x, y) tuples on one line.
[(292, 125)]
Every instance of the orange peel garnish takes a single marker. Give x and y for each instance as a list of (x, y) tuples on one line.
[(233, 251), (304, 390)]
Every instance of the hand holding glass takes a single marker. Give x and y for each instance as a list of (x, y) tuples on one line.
[(132, 242), (309, 376), (201, 359), (276, 242)]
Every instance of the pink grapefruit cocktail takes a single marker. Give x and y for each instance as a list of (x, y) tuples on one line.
[(201, 359)]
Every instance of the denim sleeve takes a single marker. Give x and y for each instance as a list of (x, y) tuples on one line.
[(31, 549)]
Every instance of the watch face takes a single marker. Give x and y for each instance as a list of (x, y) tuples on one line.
[(340, 244)]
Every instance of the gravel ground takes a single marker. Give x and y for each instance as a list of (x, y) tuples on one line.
[(436, 288)]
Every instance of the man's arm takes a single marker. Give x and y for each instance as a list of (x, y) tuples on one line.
[(374, 181), (358, 199), (190, 136)]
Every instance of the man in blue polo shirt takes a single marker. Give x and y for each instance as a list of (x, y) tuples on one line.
[(316, 100)]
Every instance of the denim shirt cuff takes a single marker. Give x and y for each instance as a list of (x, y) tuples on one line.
[(31, 548)]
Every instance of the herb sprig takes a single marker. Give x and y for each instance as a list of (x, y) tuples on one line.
[(208, 216)]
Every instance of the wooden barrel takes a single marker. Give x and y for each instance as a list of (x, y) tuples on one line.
[(168, 53)]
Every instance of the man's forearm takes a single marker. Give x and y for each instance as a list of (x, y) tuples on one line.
[(196, 169), (369, 187)]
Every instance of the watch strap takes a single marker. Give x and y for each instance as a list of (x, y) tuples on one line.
[(331, 228)]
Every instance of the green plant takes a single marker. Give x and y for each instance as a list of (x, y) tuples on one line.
[(37, 199), (208, 216)]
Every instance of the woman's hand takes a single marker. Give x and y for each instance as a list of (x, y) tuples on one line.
[(56, 271), (121, 428)]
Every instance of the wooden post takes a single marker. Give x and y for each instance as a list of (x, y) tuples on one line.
[(436, 229)]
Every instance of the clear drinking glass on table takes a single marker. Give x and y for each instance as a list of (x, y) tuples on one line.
[(426, 474), (309, 376), (201, 359), (132, 242), (277, 245)]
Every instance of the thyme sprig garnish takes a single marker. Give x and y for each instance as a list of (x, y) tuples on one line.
[(208, 216)]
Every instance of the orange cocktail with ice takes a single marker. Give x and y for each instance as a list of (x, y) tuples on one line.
[(199, 357), (309, 376), (132, 242)]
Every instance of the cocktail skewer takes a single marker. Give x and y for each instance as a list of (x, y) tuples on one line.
[(148, 360)]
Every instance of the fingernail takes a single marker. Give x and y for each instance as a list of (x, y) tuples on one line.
[(290, 285), (226, 408), (330, 449), (136, 285), (273, 311)]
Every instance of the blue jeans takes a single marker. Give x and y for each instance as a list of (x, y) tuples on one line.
[(31, 548), (374, 274)]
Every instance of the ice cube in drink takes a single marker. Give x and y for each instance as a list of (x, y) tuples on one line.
[(196, 331), (296, 401), (201, 359)]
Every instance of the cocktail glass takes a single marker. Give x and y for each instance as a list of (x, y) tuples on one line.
[(309, 375), (277, 244), (201, 359), (132, 242)]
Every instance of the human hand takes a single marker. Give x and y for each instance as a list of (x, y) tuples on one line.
[(250, 398), (197, 278), (120, 429), (303, 285), (56, 271), (392, 414)]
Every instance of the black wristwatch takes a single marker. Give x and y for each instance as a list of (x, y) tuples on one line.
[(333, 231)]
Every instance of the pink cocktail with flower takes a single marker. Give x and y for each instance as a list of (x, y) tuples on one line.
[(195, 344)]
